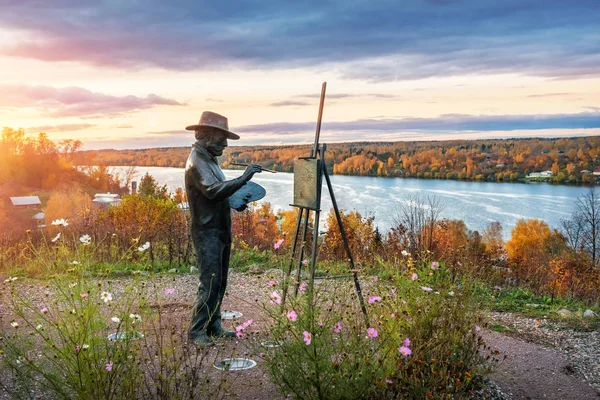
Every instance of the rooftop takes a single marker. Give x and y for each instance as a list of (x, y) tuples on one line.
[(25, 201)]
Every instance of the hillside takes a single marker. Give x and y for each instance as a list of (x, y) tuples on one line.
[(483, 160)]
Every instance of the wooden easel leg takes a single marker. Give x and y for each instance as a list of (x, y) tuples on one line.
[(346, 246), (294, 248), (313, 261), (306, 222)]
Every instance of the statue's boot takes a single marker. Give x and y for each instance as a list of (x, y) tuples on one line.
[(216, 330), (202, 340)]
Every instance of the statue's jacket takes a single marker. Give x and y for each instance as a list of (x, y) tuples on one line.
[(208, 196)]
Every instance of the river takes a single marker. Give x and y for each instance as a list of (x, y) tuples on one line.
[(476, 203)]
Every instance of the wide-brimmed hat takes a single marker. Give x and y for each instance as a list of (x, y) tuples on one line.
[(213, 120)]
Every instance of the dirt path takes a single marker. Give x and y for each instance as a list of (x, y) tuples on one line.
[(551, 363), (532, 371)]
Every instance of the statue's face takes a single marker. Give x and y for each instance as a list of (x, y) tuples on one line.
[(215, 144)]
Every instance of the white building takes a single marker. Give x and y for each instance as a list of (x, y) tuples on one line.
[(105, 200)]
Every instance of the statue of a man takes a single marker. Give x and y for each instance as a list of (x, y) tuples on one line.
[(208, 197)]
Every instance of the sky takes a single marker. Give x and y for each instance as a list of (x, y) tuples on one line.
[(133, 74)]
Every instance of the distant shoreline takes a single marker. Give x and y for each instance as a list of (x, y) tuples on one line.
[(565, 161)]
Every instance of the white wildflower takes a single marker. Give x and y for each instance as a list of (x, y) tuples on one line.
[(106, 296), (55, 238), (135, 318), (116, 319), (61, 222), (85, 239), (145, 247)]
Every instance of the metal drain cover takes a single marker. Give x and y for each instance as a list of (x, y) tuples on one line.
[(234, 364), (231, 314), (125, 336)]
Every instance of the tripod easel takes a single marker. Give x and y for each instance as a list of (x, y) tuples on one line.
[(308, 174)]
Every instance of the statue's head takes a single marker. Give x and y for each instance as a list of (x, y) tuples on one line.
[(214, 140), (212, 131)]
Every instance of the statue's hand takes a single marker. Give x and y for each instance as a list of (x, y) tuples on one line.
[(250, 171)]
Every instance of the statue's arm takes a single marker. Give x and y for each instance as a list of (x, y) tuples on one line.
[(215, 189)]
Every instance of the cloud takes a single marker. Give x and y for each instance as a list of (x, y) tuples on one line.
[(76, 101), (59, 128), (285, 103), (122, 126), (550, 95), (374, 41), (347, 95), (172, 133), (443, 123)]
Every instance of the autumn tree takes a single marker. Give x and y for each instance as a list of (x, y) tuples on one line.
[(418, 215), (582, 229), (492, 239), (72, 205), (149, 187), (530, 249)]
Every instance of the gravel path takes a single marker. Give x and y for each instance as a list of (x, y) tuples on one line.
[(544, 361)]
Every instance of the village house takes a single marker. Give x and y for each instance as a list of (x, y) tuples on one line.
[(543, 174), (25, 203), (105, 200)]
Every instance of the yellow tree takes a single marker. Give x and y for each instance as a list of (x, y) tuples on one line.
[(527, 251)]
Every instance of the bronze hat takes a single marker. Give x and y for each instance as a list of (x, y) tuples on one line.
[(214, 120)]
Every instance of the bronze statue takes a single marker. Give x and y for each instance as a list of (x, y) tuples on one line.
[(208, 196)]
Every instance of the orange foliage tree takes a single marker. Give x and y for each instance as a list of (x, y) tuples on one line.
[(531, 247), (361, 235)]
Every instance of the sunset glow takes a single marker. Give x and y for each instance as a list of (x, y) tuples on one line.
[(133, 76)]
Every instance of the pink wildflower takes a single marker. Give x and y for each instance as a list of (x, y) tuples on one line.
[(44, 310), (77, 348), (375, 278), (435, 265), (426, 288), (405, 351), (292, 316), (272, 282), (303, 287), (477, 328), (389, 381), (372, 332), (239, 330), (414, 277), (406, 342), (275, 298), (307, 337), (247, 323), (374, 299), (83, 295), (169, 291), (304, 262), (278, 244), (337, 327), (109, 366)]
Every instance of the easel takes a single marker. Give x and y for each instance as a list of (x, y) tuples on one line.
[(308, 174)]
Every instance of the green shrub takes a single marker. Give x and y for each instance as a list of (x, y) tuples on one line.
[(420, 339)]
